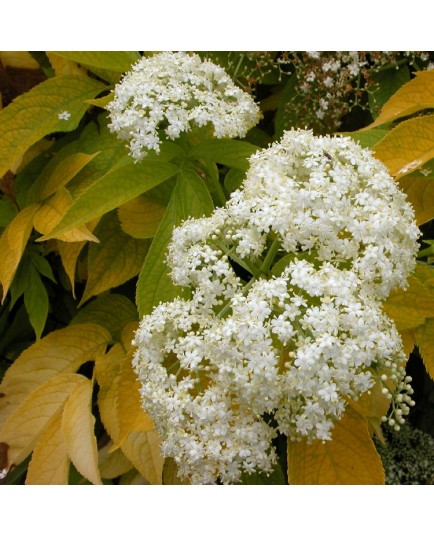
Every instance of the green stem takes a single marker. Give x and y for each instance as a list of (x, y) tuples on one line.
[(212, 172), (269, 258), (247, 265)]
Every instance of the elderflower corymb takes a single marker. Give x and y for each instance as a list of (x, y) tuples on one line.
[(171, 92), (284, 324)]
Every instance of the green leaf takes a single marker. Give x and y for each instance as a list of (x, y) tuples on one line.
[(190, 197), (285, 116), (276, 478), (386, 83), (34, 114), (112, 190), (42, 265), (7, 211), (141, 216), (115, 259), (231, 153), (36, 301), (234, 178)]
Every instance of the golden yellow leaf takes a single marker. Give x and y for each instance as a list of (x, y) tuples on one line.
[(141, 216), (107, 369), (143, 450), (112, 463), (50, 460), (425, 343), (64, 350), (412, 97), (132, 478), (349, 458), (420, 193), (12, 244), (408, 340), (63, 66), (23, 428), (409, 308), (170, 474), (52, 211), (408, 146), (78, 431), (18, 60), (131, 415)]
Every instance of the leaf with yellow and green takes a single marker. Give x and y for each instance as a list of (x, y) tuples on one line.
[(372, 405), (50, 461), (33, 115), (117, 62), (69, 253), (18, 60), (112, 311), (409, 308), (366, 138), (143, 450), (114, 260), (141, 216), (412, 97), (190, 197), (23, 428), (112, 190), (349, 458), (408, 146), (231, 153), (78, 425), (425, 342), (12, 244), (61, 351), (112, 463), (58, 172), (64, 66), (52, 211)]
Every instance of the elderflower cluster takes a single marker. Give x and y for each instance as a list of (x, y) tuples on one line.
[(171, 92), (324, 235)]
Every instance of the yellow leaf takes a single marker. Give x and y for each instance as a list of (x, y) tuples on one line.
[(412, 97), (349, 458), (12, 244), (52, 211), (420, 193), (18, 60), (64, 350), (107, 369), (425, 343), (170, 474), (116, 259), (131, 415), (408, 340), (143, 450), (408, 146), (112, 463), (78, 431), (141, 216), (132, 478), (50, 460), (22, 429), (409, 308), (63, 66)]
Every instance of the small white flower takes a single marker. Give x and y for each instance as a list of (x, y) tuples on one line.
[(167, 94), (64, 116)]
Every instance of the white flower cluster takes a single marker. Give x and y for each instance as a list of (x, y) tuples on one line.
[(324, 235), (172, 92)]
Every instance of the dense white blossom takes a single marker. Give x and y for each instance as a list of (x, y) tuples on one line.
[(171, 92), (285, 317)]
